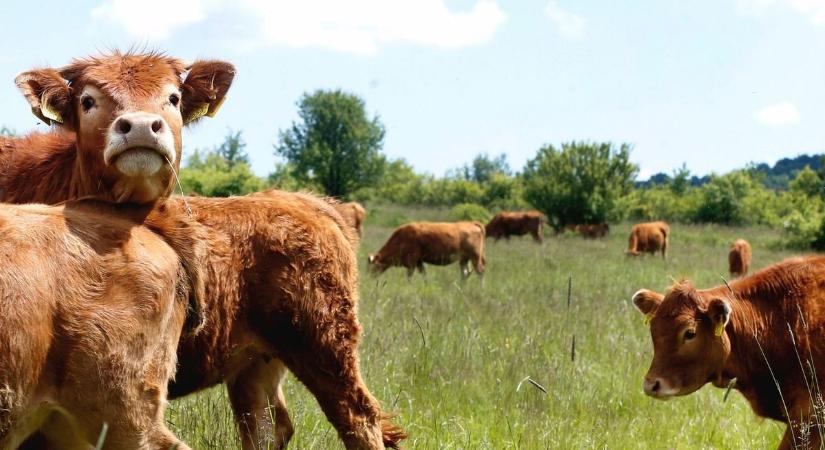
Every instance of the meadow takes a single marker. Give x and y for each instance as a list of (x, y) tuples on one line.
[(452, 359)]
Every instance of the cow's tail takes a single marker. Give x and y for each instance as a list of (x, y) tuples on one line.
[(392, 434)]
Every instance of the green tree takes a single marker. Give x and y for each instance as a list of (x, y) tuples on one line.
[(807, 182), (680, 182), (483, 168), (233, 149), (580, 183), (723, 198), (220, 172), (333, 144)]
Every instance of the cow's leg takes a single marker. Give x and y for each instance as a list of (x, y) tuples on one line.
[(259, 406), (465, 268), (478, 265), (410, 271), (421, 268)]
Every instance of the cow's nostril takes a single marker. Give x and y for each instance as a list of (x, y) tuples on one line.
[(656, 386), (124, 126), (157, 125)]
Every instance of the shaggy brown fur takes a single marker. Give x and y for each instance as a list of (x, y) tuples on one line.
[(516, 223), (69, 160), (775, 315), (648, 237), (414, 244), (90, 321), (739, 258), (354, 214), (590, 231)]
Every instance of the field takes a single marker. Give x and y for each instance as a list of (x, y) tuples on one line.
[(450, 358)]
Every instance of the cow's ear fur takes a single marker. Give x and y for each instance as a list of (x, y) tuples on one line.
[(48, 94), (204, 89), (719, 312), (647, 301)]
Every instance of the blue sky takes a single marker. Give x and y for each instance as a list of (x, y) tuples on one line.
[(711, 83)]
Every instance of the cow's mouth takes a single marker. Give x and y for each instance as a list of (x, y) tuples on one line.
[(139, 161)]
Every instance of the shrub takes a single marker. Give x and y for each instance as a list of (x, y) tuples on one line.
[(470, 211)]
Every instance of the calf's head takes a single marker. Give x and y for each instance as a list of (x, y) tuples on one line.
[(127, 111), (375, 264), (690, 345)]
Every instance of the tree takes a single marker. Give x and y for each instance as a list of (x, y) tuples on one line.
[(581, 183), (483, 168), (221, 172), (334, 144), (233, 149)]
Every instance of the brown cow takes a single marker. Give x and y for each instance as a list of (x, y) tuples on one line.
[(119, 133), (90, 321), (648, 237), (763, 335), (590, 231), (414, 244), (354, 214), (739, 258), (516, 223)]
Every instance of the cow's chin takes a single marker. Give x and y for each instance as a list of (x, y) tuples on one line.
[(139, 162), (141, 189)]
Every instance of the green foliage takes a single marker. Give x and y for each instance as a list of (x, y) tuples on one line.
[(233, 149), (807, 183), (722, 199), (470, 211), (334, 145), (221, 172), (580, 183), (483, 168)]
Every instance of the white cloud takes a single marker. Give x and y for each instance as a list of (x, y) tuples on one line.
[(814, 10), (782, 113), (356, 26), (569, 25)]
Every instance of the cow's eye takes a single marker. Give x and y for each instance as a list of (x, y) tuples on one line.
[(690, 334), (87, 102), (174, 99)]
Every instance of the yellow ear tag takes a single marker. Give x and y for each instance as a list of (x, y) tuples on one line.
[(720, 328), (199, 112), (648, 318), (50, 113), (214, 109)]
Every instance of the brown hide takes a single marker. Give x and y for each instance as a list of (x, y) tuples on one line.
[(354, 214), (648, 237), (780, 309), (90, 322), (739, 258), (412, 245), (516, 223), (590, 231)]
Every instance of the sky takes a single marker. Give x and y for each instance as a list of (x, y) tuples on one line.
[(713, 84)]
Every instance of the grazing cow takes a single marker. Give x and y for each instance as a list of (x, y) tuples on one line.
[(590, 231), (739, 258), (90, 322), (414, 244), (516, 223), (763, 335), (354, 214), (119, 121), (648, 237)]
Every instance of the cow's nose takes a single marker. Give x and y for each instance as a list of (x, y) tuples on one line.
[(139, 124), (652, 386)]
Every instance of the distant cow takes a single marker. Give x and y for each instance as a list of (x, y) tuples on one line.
[(93, 304), (762, 336), (414, 244), (648, 237), (354, 214), (516, 223), (739, 258), (590, 231)]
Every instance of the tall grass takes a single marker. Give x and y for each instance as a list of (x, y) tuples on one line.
[(467, 367)]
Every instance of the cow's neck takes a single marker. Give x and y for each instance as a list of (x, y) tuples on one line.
[(42, 168), (760, 355)]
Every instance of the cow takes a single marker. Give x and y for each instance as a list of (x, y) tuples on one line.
[(516, 223), (91, 317), (590, 231), (354, 213), (739, 258), (118, 126), (648, 237), (760, 334), (414, 244)]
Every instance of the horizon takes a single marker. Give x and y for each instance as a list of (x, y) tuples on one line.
[(714, 85)]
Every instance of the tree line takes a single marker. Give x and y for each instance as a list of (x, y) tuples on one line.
[(335, 148)]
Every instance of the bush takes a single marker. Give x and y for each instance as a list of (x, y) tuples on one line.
[(470, 211)]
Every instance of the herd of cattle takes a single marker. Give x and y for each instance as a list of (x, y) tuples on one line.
[(119, 296)]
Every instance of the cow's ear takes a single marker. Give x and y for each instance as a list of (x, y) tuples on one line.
[(204, 89), (48, 93), (719, 313), (647, 301)]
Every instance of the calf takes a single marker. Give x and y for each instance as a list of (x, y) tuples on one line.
[(90, 321), (762, 334), (590, 231), (516, 223), (648, 237), (354, 215), (414, 244), (739, 258)]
